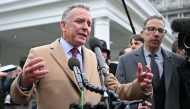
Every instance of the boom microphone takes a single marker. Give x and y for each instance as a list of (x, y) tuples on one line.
[(74, 65), (181, 24), (96, 46)]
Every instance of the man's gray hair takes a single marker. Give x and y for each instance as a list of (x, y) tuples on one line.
[(66, 13), (153, 17)]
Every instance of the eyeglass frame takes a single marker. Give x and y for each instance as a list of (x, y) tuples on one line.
[(155, 29)]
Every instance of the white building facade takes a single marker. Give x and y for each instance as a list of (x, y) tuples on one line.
[(36, 22), (29, 23)]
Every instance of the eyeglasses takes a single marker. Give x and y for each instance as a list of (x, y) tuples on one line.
[(153, 29)]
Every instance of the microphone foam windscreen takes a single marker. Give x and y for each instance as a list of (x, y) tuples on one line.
[(73, 62), (95, 42), (180, 24)]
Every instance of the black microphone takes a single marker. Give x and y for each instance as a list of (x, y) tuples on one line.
[(74, 65), (96, 46), (181, 24)]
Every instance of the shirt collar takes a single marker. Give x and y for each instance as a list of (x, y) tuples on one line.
[(146, 52), (67, 47)]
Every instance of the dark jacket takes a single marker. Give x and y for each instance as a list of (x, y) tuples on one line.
[(7, 85)]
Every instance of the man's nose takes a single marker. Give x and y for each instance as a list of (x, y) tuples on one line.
[(85, 26), (156, 32), (133, 46)]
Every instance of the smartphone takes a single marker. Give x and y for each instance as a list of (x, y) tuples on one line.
[(8, 68)]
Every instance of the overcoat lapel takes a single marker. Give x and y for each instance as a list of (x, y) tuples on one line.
[(139, 54), (59, 55), (88, 63), (168, 66)]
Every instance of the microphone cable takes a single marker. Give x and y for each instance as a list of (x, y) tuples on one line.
[(82, 99)]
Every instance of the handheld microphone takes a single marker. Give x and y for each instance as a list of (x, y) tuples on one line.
[(74, 65), (96, 46), (181, 24)]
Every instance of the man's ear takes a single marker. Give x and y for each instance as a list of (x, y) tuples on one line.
[(142, 32), (63, 24), (178, 52)]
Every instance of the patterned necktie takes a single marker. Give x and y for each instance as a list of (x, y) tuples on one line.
[(74, 52), (155, 70)]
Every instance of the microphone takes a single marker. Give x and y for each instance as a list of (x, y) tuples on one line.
[(181, 24), (74, 65), (96, 46)]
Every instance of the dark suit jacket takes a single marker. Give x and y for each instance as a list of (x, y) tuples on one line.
[(176, 91), (59, 88)]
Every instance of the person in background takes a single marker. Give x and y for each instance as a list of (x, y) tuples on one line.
[(176, 49), (47, 76), (106, 55), (136, 41), (125, 49), (167, 84), (181, 52), (9, 103), (105, 52)]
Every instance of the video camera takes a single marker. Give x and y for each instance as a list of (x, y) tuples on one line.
[(182, 26), (184, 40)]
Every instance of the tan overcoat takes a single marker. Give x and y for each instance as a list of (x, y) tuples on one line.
[(59, 88)]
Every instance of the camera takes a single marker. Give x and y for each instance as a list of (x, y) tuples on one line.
[(184, 40)]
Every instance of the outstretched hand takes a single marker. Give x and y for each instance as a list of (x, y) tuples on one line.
[(31, 72), (144, 78)]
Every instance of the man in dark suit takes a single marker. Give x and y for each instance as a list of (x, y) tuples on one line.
[(47, 75), (170, 92)]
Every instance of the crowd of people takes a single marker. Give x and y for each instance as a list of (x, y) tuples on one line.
[(145, 70)]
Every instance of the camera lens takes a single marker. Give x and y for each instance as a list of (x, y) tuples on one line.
[(186, 41)]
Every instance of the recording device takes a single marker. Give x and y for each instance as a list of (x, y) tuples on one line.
[(74, 65), (8, 68), (182, 26), (96, 47), (116, 103)]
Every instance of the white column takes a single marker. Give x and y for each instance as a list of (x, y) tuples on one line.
[(182, 15), (102, 29), (167, 17), (178, 15)]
